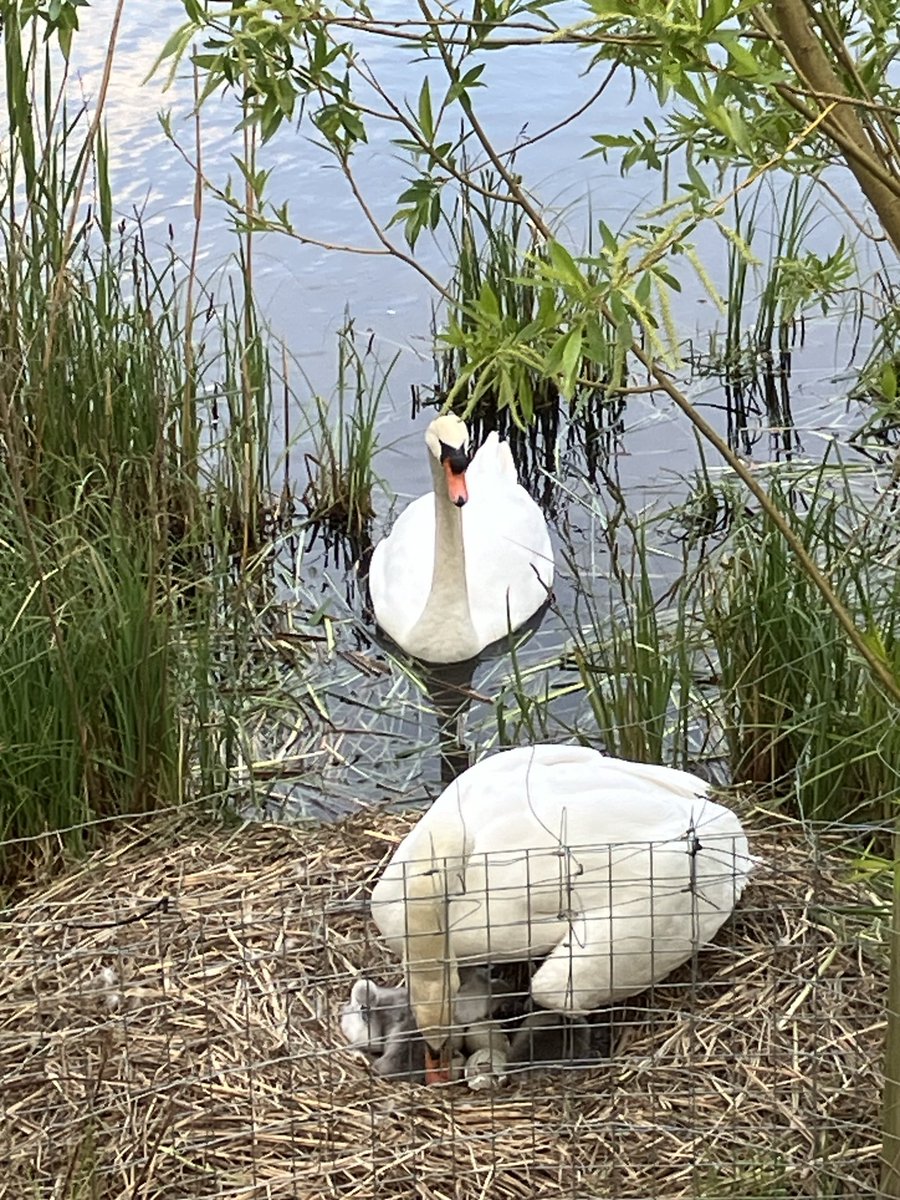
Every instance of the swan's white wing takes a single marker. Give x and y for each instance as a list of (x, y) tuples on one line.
[(509, 558), (492, 463), (401, 568)]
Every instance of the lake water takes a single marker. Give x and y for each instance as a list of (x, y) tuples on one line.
[(380, 735)]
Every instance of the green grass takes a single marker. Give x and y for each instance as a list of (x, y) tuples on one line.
[(632, 655), (773, 281), (801, 713), (698, 637), (344, 435), (124, 507), (626, 680)]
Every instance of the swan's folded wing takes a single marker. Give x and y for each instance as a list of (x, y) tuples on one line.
[(401, 568), (509, 560), (493, 465)]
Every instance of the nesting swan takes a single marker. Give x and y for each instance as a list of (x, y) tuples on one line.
[(615, 871), (466, 564)]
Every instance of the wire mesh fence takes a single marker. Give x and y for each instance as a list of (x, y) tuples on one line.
[(173, 1023)]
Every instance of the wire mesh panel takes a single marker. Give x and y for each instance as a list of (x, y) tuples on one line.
[(171, 1027)]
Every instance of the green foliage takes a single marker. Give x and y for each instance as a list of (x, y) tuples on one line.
[(123, 504), (629, 681), (634, 662), (801, 713), (530, 320), (732, 97), (276, 57), (682, 652), (345, 439), (513, 344)]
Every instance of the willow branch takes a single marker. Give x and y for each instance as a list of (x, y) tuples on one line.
[(876, 664)]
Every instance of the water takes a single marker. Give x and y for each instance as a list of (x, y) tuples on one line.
[(358, 728)]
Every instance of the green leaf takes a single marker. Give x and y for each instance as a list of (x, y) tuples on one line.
[(174, 48), (488, 302), (564, 264), (642, 292), (875, 642), (103, 181), (889, 382), (715, 13), (426, 117), (742, 60), (469, 80), (609, 239), (571, 360), (64, 34)]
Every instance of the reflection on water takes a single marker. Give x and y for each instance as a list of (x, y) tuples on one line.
[(449, 688)]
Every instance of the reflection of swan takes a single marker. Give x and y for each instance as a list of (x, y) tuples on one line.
[(616, 871), (464, 566), (449, 688)]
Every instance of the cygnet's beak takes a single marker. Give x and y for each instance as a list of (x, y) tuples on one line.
[(437, 1065)]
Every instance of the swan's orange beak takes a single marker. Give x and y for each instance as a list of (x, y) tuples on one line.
[(456, 484), (437, 1066)]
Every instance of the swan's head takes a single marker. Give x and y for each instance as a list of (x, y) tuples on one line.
[(447, 440)]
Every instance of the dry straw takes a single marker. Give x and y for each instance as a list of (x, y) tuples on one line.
[(168, 1029)]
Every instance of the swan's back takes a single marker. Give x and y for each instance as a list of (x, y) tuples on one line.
[(543, 795), (536, 843)]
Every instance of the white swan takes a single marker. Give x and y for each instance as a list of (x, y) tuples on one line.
[(616, 871), (465, 565)]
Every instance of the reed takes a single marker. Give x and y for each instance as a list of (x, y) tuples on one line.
[(132, 482), (634, 663), (696, 637), (774, 279), (801, 714), (628, 679), (344, 438), (505, 351)]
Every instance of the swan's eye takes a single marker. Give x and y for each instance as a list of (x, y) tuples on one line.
[(456, 457)]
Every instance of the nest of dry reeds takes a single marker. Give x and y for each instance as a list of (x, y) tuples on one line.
[(169, 1015)]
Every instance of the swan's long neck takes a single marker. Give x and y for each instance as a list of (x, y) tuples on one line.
[(446, 619), (431, 967)]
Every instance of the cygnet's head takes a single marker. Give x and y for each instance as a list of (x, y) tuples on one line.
[(448, 441), (379, 1021)]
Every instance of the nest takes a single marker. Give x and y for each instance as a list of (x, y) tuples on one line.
[(169, 1015)]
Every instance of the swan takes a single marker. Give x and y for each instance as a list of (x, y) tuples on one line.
[(615, 871), (466, 564)]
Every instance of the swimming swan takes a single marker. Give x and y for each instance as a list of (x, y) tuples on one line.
[(616, 871), (467, 563)]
